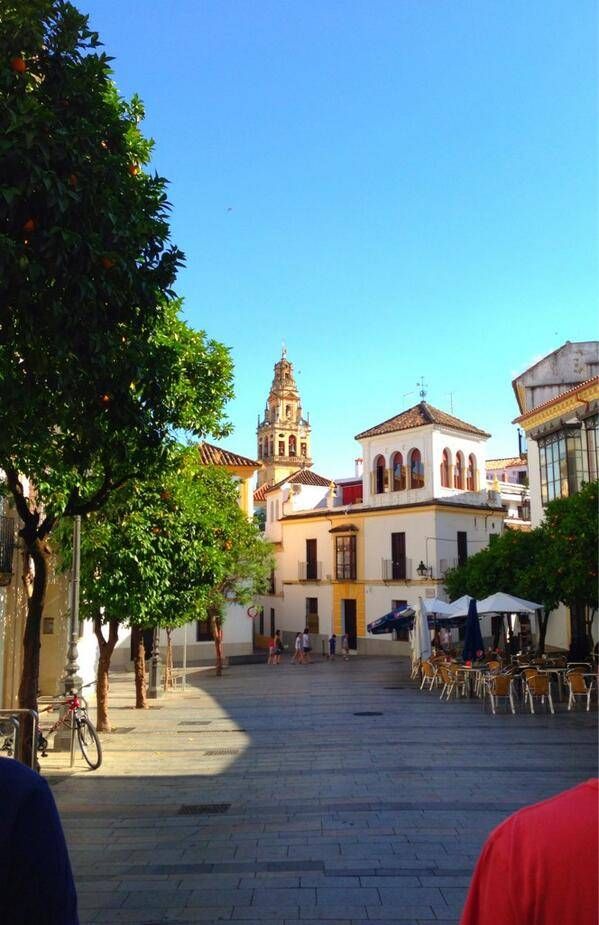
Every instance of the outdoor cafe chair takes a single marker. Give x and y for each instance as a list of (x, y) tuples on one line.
[(499, 686), (447, 679), (578, 687), (537, 685), (460, 678), (429, 674)]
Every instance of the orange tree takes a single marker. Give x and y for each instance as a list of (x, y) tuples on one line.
[(97, 368), (162, 553)]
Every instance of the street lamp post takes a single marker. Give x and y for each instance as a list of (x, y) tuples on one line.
[(72, 679)]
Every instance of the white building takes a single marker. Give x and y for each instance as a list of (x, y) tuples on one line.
[(509, 477), (424, 508), (558, 399)]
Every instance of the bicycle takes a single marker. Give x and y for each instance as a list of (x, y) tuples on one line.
[(76, 713)]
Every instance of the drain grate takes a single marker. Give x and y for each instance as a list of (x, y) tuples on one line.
[(368, 713), (221, 751), (123, 730), (212, 732), (203, 809), (196, 722)]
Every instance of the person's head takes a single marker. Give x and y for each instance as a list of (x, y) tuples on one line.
[(278, 633), (297, 634), (306, 630)]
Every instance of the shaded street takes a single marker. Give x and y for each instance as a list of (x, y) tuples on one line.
[(264, 795)]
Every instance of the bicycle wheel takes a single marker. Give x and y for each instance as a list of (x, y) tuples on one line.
[(89, 743)]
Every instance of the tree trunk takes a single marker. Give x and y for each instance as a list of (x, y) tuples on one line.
[(168, 668), (543, 621), (216, 627), (29, 683), (102, 677), (139, 651)]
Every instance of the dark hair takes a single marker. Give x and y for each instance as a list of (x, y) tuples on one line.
[(278, 633), (307, 630)]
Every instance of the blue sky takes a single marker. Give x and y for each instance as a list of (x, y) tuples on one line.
[(395, 189)]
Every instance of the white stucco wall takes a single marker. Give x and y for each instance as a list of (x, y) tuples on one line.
[(404, 441)]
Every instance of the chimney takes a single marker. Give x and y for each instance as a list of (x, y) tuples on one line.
[(359, 466)]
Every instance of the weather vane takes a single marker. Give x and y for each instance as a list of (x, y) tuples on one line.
[(423, 387), (283, 349)]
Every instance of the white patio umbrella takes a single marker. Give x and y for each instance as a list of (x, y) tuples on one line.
[(421, 636), (436, 605), (506, 603), (460, 607)]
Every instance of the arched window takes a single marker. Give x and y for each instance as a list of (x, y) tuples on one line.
[(272, 446), (471, 473), (259, 449), (416, 470), (379, 475), (281, 447), (458, 480), (287, 411), (292, 446), (446, 469), (304, 449), (399, 473)]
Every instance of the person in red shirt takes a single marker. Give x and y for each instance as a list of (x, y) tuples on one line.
[(540, 866)]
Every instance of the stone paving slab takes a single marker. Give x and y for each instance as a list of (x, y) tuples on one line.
[(331, 818)]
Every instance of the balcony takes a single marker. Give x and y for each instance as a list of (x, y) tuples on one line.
[(7, 548), (309, 571), (396, 570)]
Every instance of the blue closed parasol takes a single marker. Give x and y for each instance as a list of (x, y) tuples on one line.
[(473, 640)]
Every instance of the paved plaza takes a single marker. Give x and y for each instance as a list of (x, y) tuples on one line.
[(334, 792)]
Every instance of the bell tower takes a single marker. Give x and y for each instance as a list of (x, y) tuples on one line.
[(283, 433)]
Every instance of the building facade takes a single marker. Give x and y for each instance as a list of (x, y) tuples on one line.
[(558, 400), (346, 557)]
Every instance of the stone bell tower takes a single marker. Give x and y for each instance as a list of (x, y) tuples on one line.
[(283, 434)]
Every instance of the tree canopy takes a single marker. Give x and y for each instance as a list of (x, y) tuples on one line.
[(98, 369)]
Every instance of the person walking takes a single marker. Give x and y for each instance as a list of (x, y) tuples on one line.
[(271, 650), (278, 647), (345, 646), (332, 646), (306, 647), (297, 655)]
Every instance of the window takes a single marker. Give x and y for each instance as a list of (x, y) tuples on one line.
[(281, 447), (522, 477), (312, 614), (563, 463), (445, 466), (398, 556), (462, 547), (471, 473), (259, 449), (379, 475), (261, 622), (203, 633), (292, 446), (272, 588), (399, 473), (403, 634), (345, 557), (416, 470), (591, 426), (272, 621), (287, 411), (311, 565), (459, 470), (304, 449)]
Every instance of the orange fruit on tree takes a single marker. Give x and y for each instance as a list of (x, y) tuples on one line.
[(18, 64), (30, 225), (73, 180), (133, 169), (107, 263), (105, 399)]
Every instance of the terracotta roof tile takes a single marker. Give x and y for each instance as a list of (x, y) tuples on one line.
[(260, 493), (418, 416), (505, 463), (215, 456), (557, 398), (302, 477)]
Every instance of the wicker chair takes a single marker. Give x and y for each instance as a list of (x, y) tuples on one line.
[(447, 679), (537, 685), (429, 673), (500, 686), (578, 687)]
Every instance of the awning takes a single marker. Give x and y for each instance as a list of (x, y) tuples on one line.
[(345, 528), (394, 620), (506, 603)]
